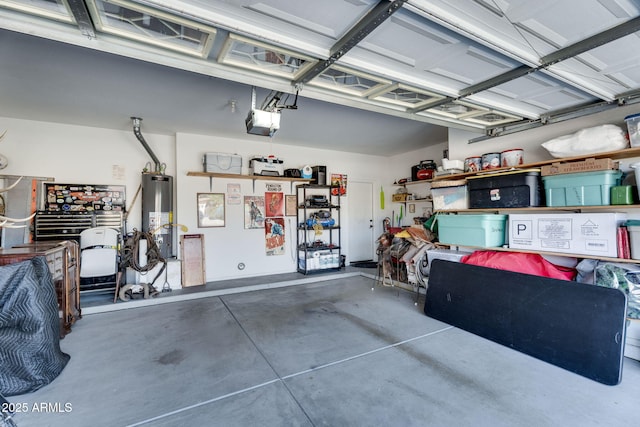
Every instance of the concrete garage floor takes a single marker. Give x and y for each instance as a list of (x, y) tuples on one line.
[(329, 353)]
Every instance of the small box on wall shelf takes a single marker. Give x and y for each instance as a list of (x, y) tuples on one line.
[(569, 233), (399, 197), (222, 163)]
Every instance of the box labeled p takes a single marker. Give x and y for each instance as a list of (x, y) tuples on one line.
[(522, 229)]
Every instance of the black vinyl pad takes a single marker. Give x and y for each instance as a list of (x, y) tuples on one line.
[(575, 326)]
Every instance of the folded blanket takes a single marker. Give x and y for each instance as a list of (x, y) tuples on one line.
[(30, 354)]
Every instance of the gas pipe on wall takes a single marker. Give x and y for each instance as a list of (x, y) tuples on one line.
[(157, 199)]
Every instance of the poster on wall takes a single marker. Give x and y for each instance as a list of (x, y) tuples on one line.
[(274, 204), (211, 210), (234, 196), (339, 180), (253, 212), (274, 236)]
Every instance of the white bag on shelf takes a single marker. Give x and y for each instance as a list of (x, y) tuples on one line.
[(592, 140)]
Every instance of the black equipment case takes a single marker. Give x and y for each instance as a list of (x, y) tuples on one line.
[(511, 189)]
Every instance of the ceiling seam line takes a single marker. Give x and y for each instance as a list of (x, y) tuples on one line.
[(567, 52), (369, 22)]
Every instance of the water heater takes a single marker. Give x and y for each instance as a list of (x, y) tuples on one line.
[(157, 210)]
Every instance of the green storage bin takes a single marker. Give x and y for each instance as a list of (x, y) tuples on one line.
[(581, 189), (621, 195), (483, 230)]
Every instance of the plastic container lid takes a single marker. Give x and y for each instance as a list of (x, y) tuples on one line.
[(632, 116), (450, 183), (632, 223)]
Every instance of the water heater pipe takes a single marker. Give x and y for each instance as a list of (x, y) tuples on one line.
[(138, 134)]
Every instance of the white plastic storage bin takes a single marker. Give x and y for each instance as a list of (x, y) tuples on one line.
[(449, 195), (633, 226), (222, 163), (633, 127)]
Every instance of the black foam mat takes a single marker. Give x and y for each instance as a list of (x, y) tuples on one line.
[(575, 326)]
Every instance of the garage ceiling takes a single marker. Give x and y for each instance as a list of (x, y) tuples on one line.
[(492, 66)]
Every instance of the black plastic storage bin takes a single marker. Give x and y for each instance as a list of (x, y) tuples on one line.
[(512, 189)]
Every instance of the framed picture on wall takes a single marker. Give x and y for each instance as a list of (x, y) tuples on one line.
[(273, 203), (211, 210), (290, 202)]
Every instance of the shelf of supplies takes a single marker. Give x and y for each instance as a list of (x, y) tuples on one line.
[(548, 253), (414, 201), (574, 209), (306, 227), (422, 181), (318, 248), (615, 155), (254, 178), (319, 207)]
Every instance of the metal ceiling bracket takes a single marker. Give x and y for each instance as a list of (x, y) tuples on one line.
[(604, 37), (624, 29), (557, 117), (518, 72), (369, 22), (83, 19)]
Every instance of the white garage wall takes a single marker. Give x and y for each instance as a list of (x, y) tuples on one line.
[(77, 154), (530, 140), (228, 246)]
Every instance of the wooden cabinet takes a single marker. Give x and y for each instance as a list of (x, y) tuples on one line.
[(63, 260)]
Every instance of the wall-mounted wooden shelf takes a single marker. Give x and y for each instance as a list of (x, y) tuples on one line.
[(615, 155), (574, 209), (254, 178)]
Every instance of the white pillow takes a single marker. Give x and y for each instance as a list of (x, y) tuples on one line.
[(592, 140)]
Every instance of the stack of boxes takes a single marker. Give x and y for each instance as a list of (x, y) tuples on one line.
[(592, 182)]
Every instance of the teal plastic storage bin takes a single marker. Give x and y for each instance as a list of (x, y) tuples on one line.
[(484, 230), (581, 189)]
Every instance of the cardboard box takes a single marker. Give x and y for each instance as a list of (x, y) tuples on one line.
[(399, 197), (570, 233), (587, 165)]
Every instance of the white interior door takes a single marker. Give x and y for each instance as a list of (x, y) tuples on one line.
[(360, 214)]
